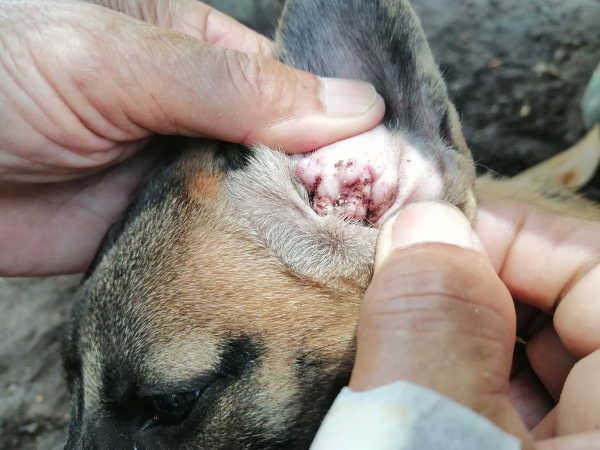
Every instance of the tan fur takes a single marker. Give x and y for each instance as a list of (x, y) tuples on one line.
[(221, 267), (220, 261), (205, 185), (220, 293), (221, 270)]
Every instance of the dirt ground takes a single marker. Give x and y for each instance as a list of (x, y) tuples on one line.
[(516, 71)]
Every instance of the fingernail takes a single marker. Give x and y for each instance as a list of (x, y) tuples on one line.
[(348, 97), (424, 222)]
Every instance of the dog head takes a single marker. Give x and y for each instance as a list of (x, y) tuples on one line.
[(220, 311)]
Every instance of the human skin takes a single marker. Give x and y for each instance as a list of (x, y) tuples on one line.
[(83, 87), (75, 114), (444, 292)]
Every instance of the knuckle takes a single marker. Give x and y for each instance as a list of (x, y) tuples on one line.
[(209, 33), (254, 78), (438, 269), (585, 369), (69, 43)]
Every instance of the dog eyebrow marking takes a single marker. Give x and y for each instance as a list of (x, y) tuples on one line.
[(239, 355)]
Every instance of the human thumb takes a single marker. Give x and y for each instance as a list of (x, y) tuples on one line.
[(436, 314), (253, 99), (140, 75)]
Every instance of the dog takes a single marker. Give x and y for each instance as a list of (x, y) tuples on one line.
[(220, 311)]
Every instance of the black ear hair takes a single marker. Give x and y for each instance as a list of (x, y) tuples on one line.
[(379, 41)]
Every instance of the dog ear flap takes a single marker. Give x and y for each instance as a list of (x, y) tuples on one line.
[(379, 41)]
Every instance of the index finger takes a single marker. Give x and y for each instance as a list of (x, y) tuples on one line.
[(195, 19), (550, 262)]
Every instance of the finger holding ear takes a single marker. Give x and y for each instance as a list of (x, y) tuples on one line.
[(78, 108), (436, 314)]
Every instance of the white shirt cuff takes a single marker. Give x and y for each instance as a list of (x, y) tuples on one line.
[(405, 416)]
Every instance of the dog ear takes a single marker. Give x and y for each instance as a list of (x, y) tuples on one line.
[(379, 41)]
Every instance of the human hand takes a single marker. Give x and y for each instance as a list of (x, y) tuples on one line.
[(439, 316), (551, 264), (83, 86)]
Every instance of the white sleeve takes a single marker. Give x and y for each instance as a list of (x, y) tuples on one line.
[(405, 416)]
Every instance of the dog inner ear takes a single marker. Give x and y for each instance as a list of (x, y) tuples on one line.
[(378, 41)]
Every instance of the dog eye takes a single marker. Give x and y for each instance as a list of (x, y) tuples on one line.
[(172, 409)]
